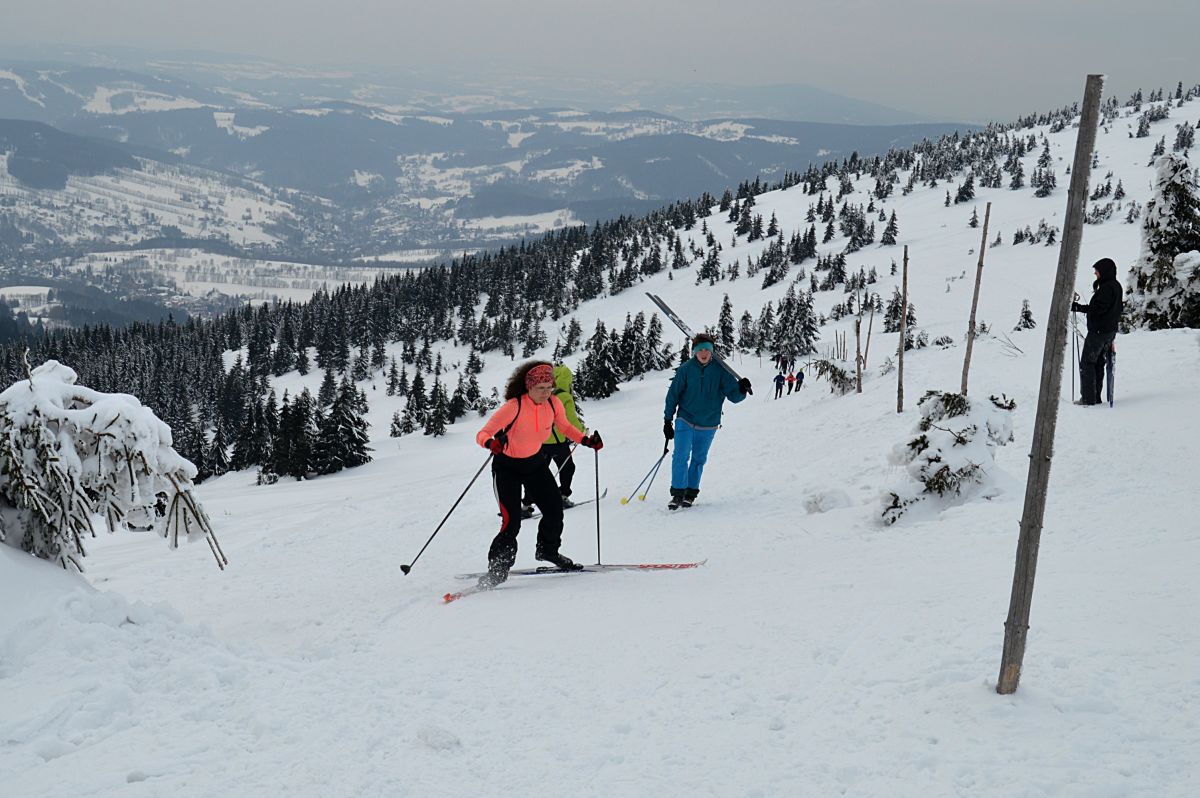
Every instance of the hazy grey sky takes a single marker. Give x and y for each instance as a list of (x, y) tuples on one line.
[(965, 60)]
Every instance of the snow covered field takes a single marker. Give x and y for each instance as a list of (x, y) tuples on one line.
[(817, 653), (195, 272)]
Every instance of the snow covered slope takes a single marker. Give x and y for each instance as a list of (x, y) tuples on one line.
[(817, 653)]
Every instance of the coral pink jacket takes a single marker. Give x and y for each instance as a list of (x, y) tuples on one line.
[(532, 427)]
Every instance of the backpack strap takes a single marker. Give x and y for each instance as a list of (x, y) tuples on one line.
[(504, 431)]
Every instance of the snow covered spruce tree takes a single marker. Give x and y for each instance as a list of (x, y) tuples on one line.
[(599, 373), (342, 438), (1026, 322), (951, 459), (69, 454), (1164, 289)]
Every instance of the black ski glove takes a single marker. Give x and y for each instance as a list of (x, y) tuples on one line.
[(669, 430), (744, 385)]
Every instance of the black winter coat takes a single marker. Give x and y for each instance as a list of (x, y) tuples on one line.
[(1104, 311)]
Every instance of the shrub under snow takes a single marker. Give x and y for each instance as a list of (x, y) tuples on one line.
[(70, 455), (951, 458)]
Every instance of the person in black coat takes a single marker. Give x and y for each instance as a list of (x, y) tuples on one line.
[(1103, 316)]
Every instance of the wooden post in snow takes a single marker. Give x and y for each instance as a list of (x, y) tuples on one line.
[(987, 215), (903, 332), (1016, 627), (858, 357)]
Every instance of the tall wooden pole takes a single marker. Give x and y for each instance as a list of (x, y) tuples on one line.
[(903, 332), (858, 359), (987, 215), (1016, 627)]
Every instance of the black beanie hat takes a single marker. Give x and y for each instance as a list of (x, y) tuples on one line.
[(1107, 268)]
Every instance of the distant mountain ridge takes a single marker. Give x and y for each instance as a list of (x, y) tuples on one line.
[(253, 80), (404, 168), (42, 157)]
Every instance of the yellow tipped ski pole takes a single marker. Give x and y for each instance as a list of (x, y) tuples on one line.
[(657, 466), (649, 474)]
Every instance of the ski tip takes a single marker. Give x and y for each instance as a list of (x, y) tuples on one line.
[(451, 597)]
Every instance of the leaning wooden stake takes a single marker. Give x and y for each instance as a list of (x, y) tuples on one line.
[(987, 215), (1016, 627), (870, 324), (903, 332)]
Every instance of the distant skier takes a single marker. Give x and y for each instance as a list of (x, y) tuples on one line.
[(780, 381), (556, 447), (698, 390), (1103, 316), (791, 379), (799, 380), (514, 435)]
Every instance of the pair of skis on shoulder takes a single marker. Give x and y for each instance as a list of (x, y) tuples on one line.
[(686, 330), (587, 569)]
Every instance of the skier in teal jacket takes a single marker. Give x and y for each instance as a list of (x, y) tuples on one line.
[(698, 390)]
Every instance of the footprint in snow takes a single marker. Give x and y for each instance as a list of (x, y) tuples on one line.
[(439, 739)]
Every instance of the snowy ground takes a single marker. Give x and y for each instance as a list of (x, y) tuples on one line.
[(817, 653)]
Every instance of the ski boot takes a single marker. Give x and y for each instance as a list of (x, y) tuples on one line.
[(497, 574), (558, 561)]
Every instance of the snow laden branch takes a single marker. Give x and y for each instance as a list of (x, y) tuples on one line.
[(70, 456), (840, 381), (951, 457)]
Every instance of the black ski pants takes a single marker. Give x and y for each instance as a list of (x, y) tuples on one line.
[(510, 475), (560, 454), (1091, 365)]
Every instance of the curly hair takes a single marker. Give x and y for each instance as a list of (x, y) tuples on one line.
[(704, 338), (516, 382)]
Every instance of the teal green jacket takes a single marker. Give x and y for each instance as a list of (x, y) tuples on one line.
[(697, 393)]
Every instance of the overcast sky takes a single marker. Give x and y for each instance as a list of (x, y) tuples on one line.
[(960, 60)]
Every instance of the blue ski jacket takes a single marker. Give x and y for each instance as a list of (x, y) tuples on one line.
[(697, 393)]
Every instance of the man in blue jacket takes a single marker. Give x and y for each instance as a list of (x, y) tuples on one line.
[(697, 392)]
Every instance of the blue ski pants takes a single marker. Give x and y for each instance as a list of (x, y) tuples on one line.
[(691, 452)]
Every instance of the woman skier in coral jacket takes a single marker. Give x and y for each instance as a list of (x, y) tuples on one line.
[(514, 434)]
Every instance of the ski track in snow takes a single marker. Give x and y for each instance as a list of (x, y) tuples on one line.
[(815, 654)]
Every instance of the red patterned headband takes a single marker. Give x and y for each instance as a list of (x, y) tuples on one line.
[(539, 375)]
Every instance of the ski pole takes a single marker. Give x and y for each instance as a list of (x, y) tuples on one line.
[(570, 454), (625, 500), (1074, 345), (596, 452), (657, 466), (404, 569)]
